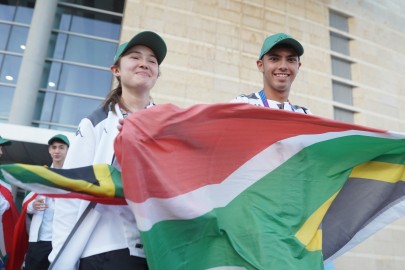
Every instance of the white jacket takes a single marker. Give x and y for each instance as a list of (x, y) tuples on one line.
[(40, 230), (116, 228)]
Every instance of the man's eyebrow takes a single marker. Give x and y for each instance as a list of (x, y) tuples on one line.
[(279, 55)]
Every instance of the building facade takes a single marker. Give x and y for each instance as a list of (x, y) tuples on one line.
[(54, 66)]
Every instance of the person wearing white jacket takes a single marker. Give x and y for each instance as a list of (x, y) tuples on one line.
[(42, 210), (107, 236)]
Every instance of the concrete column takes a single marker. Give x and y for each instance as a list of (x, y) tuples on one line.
[(29, 78)]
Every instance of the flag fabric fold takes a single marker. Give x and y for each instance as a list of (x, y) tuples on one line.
[(372, 197), (233, 185), (20, 236)]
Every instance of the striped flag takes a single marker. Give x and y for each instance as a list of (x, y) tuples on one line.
[(99, 183), (234, 186)]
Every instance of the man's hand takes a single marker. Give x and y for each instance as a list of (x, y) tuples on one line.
[(39, 204)]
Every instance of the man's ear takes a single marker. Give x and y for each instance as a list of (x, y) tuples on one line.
[(259, 64)]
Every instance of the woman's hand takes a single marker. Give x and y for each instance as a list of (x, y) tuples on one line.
[(120, 124)]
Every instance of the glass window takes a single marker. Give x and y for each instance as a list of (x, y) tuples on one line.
[(6, 94), (7, 11), (84, 80), (24, 11), (17, 10), (68, 110), (10, 68), (343, 115), (87, 40), (100, 25), (339, 43), (50, 75), (40, 109), (341, 68), (338, 21), (90, 51), (82, 50), (57, 45), (13, 38), (110, 5), (88, 22), (5, 30), (18, 39), (342, 93)]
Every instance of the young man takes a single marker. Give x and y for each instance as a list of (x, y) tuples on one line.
[(42, 208), (8, 214), (279, 62)]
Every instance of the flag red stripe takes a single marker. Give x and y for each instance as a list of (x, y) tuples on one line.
[(9, 219), (179, 145), (20, 238)]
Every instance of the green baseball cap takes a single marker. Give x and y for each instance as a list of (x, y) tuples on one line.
[(4, 141), (59, 137), (280, 39), (147, 38)]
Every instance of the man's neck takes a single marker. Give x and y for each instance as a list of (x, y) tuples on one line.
[(276, 96), (57, 165)]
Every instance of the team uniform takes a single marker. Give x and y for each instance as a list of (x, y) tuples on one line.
[(115, 234), (258, 99)]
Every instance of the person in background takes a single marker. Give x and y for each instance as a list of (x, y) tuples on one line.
[(8, 215), (36, 219), (42, 209), (279, 62), (114, 242)]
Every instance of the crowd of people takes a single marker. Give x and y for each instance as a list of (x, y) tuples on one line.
[(112, 240)]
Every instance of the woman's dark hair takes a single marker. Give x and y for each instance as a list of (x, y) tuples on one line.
[(113, 97)]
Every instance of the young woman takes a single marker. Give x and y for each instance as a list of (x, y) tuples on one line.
[(114, 242)]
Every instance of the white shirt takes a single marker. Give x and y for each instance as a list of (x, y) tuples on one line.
[(254, 99), (41, 224)]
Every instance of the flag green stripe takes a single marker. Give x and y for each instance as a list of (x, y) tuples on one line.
[(20, 171), (117, 182)]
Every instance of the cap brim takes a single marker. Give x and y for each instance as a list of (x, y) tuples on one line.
[(150, 40), (59, 138)]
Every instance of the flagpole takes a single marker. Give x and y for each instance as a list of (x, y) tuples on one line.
[(91, 206)]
